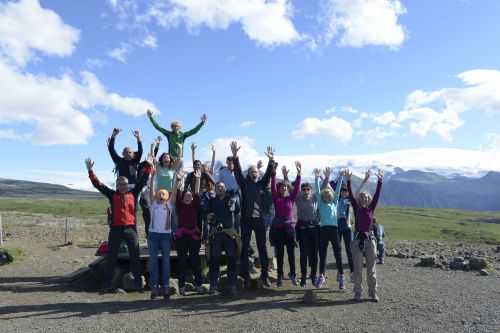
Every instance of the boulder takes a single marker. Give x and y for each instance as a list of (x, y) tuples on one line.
[(310, 297), (5, 257), (428, 261), (478, 263)]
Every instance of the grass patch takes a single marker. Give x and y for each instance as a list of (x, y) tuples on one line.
[(82, 208), (15, 254)]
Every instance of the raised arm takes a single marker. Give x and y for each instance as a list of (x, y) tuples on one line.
[(238, 174), (212, 164), (376, 196), (152, 188), (148, 169), (296, 187), (270, 165), (137, 136), (317, 189), (354, 203), (274, 190), (363, 183), (193, 152), (175, 187), (338, 187), (197, 128), (95, 181), (111, 145), (157, 126)]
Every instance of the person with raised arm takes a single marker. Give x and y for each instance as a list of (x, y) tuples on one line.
[(175, 136), (327, 207), (222, 233), (127, 165), (123, 226), (144, 198), (282, 233), (188, 234), (363, 245), (161, 231), (251, 215)]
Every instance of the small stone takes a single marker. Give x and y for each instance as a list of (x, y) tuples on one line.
[(427, 261), (478, 263)]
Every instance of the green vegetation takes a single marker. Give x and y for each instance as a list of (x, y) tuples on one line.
[(14, 254), (400, 223)]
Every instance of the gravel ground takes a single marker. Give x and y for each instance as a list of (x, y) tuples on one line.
[(413, 299)]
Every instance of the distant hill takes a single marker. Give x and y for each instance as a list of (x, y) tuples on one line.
[(10, 188)]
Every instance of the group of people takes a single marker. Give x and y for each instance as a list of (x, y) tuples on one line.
[(222, 209)]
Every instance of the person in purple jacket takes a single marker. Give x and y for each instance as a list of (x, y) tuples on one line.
[(282, 231), (363, 244)]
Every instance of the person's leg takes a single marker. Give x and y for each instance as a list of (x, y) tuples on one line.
[(114, 241), (182, 251), (290, 249), (246, 233), (357, 258), (260, 236), (371, 276), (146, 214), (194, 260), (230, 249), (347, 235), (313, 240), (215, 252), (132, 241), (336, 250), (303, 252), (153, 245), (323, 246), (165, 243), (381, 252)]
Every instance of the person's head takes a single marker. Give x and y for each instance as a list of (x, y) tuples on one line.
[(205, 167), (162, 195), (128, 153), (187, 198), (122, 184), (197, 165), (253, 173), (306, 190), (165, 160), (375, 221), (283, 188), (230, 163), (344, 192), (220, 189), (364, 199), (327, 195), (176, 126)]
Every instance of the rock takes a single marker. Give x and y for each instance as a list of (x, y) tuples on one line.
[(173, 288), (5, 257), (427, 261), (497, 250), (483, 272), (478, 263), (458, 263), (128, 282), (310, 297)]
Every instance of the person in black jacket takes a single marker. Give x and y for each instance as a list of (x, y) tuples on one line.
[(222, 230), (252, 215), (127, 165)]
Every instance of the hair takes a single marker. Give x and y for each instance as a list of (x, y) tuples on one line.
[(165, 193), (197, 162), (326, 190), (305, 185), (230, 158), (220, 183), (122, 179), (365, 193), (175, 123), (161, 160)]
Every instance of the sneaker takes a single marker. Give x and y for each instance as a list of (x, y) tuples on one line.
[(374, 297), (320, 281), (303, 282), (293, 279), (182, 291), (155, 292), (341, 282), (357, 297), (380, 261)]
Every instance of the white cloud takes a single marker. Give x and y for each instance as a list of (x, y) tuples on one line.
[(120, 53), (150, 41), (248, 154), (345, 109), (94, 63), (25, 28), (11, 134), (335, 127), (357, 23), (492, 142), (375, 135), (248, 123)]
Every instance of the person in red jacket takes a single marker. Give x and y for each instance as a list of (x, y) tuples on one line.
[(123, 225)]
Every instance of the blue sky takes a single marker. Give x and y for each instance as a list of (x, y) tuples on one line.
[(323, 77)]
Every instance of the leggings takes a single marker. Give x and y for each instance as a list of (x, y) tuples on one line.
[(329, 234), (309, 247), (184, 245), (281, 240), (347, 235)]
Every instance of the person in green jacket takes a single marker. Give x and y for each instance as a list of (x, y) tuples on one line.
[(176, 137)]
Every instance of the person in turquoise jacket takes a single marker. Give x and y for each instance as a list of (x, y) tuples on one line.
[(327, 207)]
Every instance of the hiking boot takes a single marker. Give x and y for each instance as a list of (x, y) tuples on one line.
[(138, 287), (182, 291), (320, 281), (155, 292), (303, 282), (341, 282), (373, 296), (200, 290), (357, 297), (293, 279)]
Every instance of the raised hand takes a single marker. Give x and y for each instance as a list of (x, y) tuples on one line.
[(260, 164), (89, 164), (150, 160), (179, 175), (316, 172), (157, 140), (327, 172), (212, 148), (270, 153), (197, 173), (235, 148), (115, 132), (380, 175), (204, 118), (284, 171), (193, 146), (150, 113), (298, 166), (137, 134), (348, 174)]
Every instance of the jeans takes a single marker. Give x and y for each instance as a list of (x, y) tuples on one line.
[(309, 247), (129, 236), (187, 246), (247, 226), (347, 235), (220, 242), (159, 242), (329, 234), (381, 250)]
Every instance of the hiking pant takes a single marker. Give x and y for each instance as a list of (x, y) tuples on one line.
[(146, 213), (282, 239), (368, 252), (189, 247), (159, 242), (116, 236), (247, 226), (223, 242), (346, 234), (309, 247), (329, 234), (381, 250)]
